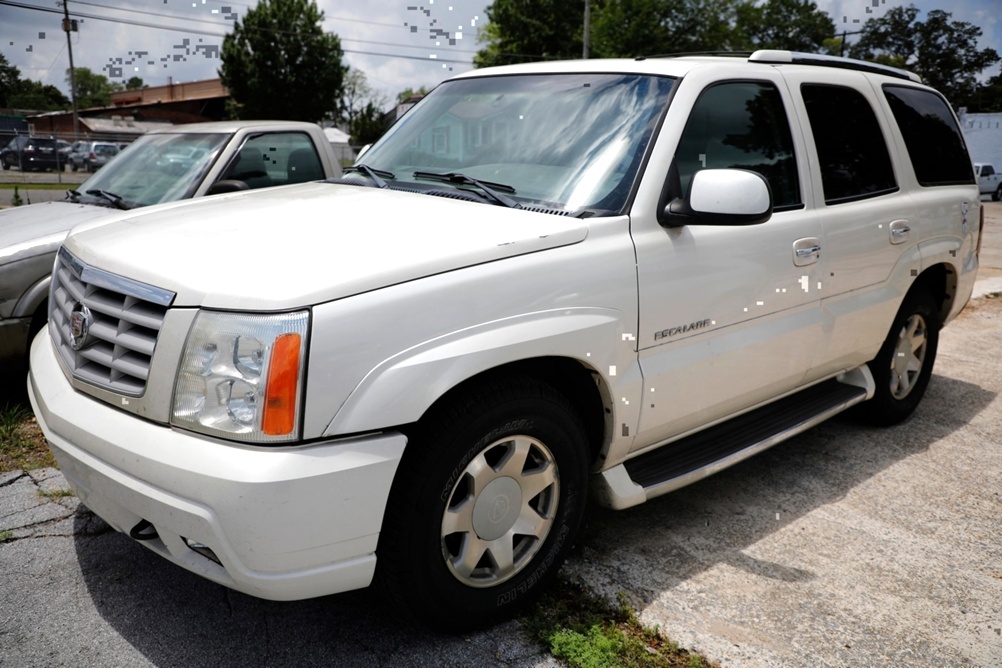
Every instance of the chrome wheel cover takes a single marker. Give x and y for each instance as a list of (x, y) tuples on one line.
[(500, 511), (909, 356)]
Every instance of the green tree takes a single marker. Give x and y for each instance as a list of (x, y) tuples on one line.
[(944, 53), (524, 30), (629, 28), (796, 25), (279, 63), (10, 80), (39, 97), (409, 92), (93, 89), (134, 83), (367, 126)]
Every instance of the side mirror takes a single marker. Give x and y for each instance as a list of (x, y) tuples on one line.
[(721, 197), (226, 186)]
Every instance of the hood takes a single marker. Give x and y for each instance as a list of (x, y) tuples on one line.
[(26, 231), (288, 247)]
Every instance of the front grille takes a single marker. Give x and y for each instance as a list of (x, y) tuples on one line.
[(104, 326)]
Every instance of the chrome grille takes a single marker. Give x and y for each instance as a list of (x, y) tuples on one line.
[(104, 326)]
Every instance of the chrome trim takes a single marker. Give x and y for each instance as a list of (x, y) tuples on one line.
[(109, 281)]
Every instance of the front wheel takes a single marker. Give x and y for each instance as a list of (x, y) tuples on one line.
[(487, 501), (903, 366), (997, 195)]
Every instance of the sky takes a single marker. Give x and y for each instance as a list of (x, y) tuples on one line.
[(396, 43)]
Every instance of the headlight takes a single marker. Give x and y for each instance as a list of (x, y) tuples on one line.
[(241, 376)]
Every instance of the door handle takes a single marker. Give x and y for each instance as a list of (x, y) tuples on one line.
[(806, 251), (899, 231)]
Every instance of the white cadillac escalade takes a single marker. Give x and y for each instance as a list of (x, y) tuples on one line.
[(545, 281)]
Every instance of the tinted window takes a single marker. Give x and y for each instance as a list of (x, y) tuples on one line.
[(935, 144), (741, 125), (851, 148), (276, 158)]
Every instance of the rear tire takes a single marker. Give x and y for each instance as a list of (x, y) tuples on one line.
[(903, 366), (486, 504)]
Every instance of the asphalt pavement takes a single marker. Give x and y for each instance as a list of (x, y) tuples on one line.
[(845, 546)]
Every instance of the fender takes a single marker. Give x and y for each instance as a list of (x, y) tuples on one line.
[(33, 298), (401, 388)]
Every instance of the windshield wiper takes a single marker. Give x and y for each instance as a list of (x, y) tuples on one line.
[(111, 197), (376, 175), (487, 187), (73, 195)]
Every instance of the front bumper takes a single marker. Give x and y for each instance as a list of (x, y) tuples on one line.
[(285, 523)]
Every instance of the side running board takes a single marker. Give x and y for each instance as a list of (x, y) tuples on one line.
[(711, 450)]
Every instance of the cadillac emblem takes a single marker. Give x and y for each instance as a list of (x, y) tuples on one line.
[(80, 322)]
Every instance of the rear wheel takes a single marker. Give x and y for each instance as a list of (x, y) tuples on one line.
[(486, 504), (903, 366)]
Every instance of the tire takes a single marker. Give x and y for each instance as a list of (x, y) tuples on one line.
[(997, 195), (6, 166), (73, 166), (463, 544), (903, 366)]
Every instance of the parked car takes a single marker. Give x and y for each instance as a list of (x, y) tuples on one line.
[(608, 276), (989, 180), (218, 158), (31, 154), (91, 155), (64, 148)]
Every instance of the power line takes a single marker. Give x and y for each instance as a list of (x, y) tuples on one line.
[(143, 24)]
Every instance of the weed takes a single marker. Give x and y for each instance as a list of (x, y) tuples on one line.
[(55, 493), (586, 631), (6, 536), (22, 446), (16, 199)]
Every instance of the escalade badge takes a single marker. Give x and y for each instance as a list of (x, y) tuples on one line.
[(80, 322)]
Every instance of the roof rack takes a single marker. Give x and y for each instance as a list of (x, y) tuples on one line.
[(777, 56), (796, 58)]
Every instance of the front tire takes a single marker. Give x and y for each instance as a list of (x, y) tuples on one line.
[(486, 504), (903, 366), (997, 195)]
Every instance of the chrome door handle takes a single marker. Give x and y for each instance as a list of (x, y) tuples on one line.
[(809, 251)]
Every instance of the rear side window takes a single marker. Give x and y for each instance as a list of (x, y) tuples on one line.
[(934, 142), (741, 125), (851, 148)]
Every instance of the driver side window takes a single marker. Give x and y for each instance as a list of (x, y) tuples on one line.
[(740, 125)]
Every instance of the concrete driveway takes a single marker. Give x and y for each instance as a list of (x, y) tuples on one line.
[(846, 546)]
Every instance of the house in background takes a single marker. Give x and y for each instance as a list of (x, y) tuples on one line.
[(983, 133)]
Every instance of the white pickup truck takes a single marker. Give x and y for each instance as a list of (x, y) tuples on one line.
[(180, 162), (989, 180), (549, 280)]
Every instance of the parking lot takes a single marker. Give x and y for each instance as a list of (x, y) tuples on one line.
[(846, 546)]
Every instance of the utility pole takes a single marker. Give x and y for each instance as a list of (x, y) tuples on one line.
[(68, 27), (586, 38)]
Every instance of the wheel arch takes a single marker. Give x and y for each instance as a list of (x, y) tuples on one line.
[(940, 280), (582, 386)]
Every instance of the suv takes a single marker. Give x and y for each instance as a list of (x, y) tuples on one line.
[(91, 155), (31, 154), (616, 276)]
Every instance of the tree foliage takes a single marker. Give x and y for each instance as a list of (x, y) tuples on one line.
[(279, 63), (521, 30), (368, 125), (134, 83), (18, 93), (795, 25), (944, 53), (524, 30), (93, 89)]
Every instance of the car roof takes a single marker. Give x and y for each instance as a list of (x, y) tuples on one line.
[(232, 126), (678, 65)]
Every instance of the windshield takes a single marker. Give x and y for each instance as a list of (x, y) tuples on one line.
[(569, 142), (155, 168)]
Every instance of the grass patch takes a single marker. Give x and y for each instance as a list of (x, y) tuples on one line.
[(23, 185), (6, 536), (55, 493), (585, 631), (22, 446)]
